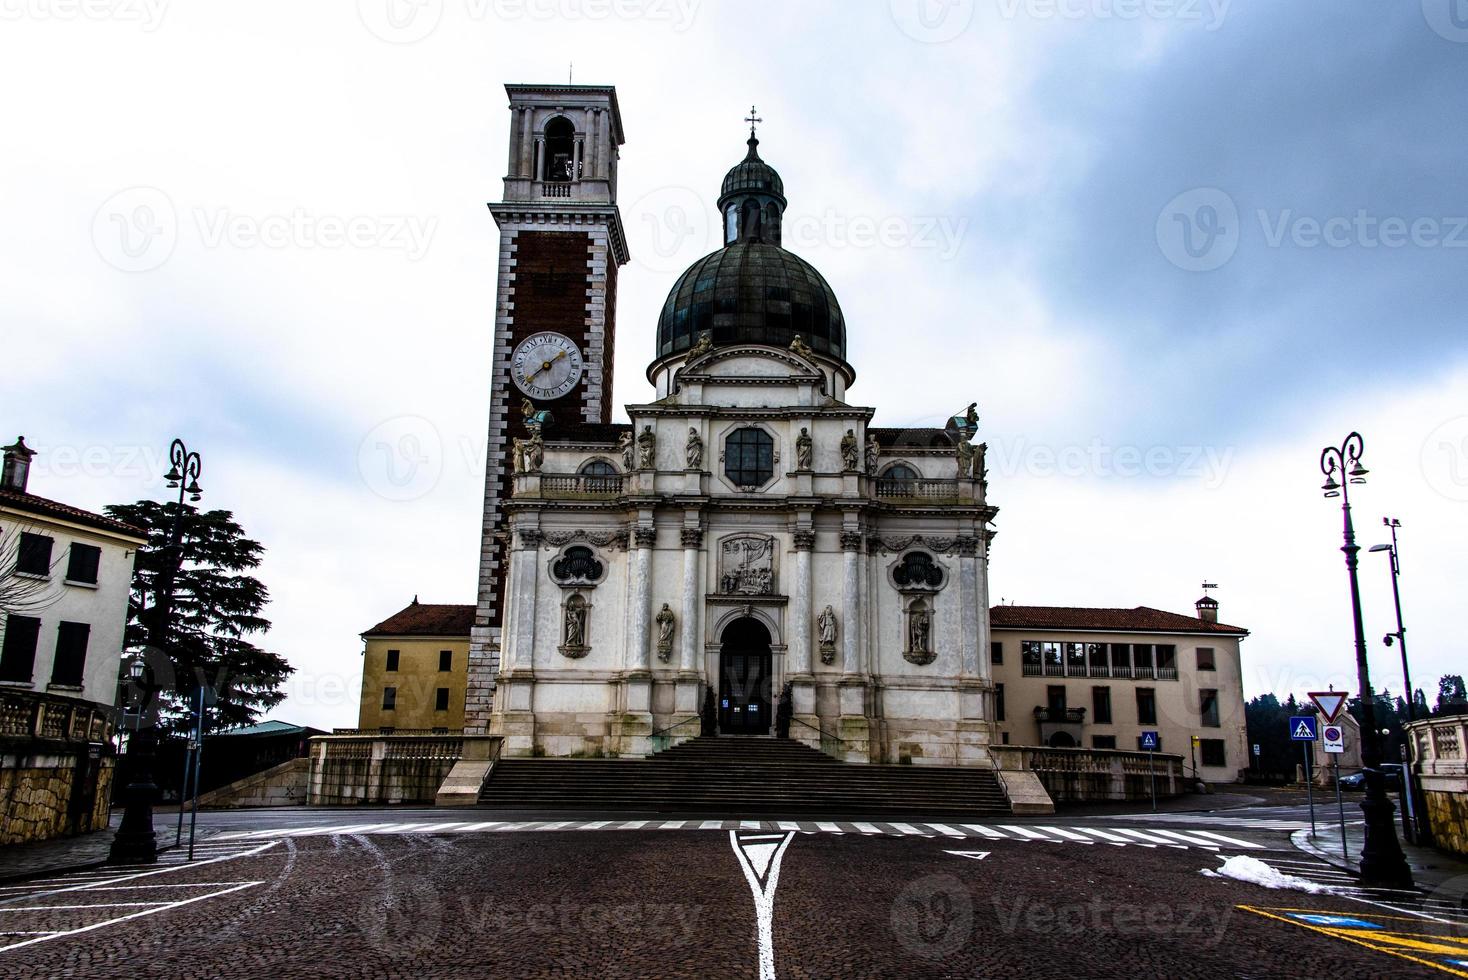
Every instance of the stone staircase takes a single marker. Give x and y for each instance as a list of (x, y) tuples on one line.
[(736, 776)]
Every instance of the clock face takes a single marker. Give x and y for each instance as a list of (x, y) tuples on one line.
[(546, 365)]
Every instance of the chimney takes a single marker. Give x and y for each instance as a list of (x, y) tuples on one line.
[(1207, 609), (17, 468)]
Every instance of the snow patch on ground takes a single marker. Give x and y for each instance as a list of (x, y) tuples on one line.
[(1244, 868)]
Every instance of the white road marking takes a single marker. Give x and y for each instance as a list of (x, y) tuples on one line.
[(41, 938), (761, 866), (830, 828), (1109, 837), (1230, 840), (789, 825), (908, 830), (1143, 836), (867, 828), (975, 855), (987, 832), (1024, 833), (946, 830), (1068, 834)]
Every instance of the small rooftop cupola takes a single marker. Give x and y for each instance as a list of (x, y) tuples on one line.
[(17, 469), (1207, 606), (752, 200)]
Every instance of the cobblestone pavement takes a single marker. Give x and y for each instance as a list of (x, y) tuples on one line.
[(680, 903)]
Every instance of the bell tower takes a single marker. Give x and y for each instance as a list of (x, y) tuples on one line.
[(561, 243)]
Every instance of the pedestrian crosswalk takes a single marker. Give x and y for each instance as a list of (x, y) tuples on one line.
[(1033, 833)]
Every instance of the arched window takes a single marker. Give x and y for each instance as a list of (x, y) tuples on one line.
[(749, 457), (560, 150), (900, 471), (599, 476), (598, 467)]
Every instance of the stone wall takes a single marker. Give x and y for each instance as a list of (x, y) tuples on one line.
[(376, 769), (1440, 767), (283, 785), (1090, 775), (45, 794), (1447, 815)]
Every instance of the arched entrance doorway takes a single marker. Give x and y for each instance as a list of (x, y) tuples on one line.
[(744, 678)]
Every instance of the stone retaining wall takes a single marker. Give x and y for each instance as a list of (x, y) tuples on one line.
[(1091, 775), (52, 793), (376, 769), (282, 785)]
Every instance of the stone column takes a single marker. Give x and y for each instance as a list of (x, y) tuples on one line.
[(604, 145), (517, 137), (851, 603), (968, 598), (593, 153), (539, 159), (638, 620), (688, 634), (576, 159), (800, 604), (527, 142)]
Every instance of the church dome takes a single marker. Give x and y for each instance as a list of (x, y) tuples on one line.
[(753, 290)]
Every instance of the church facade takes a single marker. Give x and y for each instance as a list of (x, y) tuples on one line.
[(749, 537)]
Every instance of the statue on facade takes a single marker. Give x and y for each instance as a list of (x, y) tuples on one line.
[(874, 453), (826, 630), (803, 450), (517, 455), (695, 450), (573, 627), (647, 445), (534, 452), (849, 451), (624, 446), (981, 467), (919, 628), (665, 621), (800, 348), (704, 345), (966, 454)]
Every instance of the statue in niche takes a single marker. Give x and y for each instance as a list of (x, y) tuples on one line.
[(826, 630), (849, 451), (573, 627), (966, 453), (803, 450), (665, 621), (695, 450), (624, 446), (919, 631), (647, 447), (874, 453)]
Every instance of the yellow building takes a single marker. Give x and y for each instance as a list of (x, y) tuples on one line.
[(415, 669), (1098, 678)]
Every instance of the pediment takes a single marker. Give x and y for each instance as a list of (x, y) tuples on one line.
[(746, 362)]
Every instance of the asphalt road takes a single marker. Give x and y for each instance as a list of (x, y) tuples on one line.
[(446, 898)]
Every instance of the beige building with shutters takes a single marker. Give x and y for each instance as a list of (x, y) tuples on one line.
[(1098, 678), (415, 669)]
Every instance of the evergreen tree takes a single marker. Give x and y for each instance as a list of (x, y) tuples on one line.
[(1452, 698), (215, 611)]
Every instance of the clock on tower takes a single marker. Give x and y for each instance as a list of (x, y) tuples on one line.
[(561, 244)]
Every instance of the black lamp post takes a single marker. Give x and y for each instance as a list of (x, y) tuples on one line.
[(1400, 637), (135, 841), (1382, 861)]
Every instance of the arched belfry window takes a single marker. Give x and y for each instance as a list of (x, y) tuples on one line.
[(560, 150)]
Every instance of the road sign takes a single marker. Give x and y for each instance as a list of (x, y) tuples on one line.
[(1302, 728), (1330, 703), (1150, 741), (1335, 739), (1256, 748)]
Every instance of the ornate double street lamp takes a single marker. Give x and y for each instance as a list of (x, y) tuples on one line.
[(135, 841), (1382, 860)]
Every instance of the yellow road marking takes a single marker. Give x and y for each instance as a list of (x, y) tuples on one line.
[(1349, 935)]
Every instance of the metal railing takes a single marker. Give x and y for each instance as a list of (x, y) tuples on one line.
[(1098, 670), (664, 738), (832, 745)]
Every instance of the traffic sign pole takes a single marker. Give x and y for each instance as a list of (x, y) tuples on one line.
[(1309, 786), (1341, 809)]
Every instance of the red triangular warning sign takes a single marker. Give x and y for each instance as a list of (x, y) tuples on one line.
[(1330, 703)]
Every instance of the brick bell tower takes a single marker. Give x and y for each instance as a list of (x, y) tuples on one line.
[(561, 243)]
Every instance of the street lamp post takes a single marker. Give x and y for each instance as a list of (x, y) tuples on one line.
[(1400, 636), (1382, 860), (135, 841)]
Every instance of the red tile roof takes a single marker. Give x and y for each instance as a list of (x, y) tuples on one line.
[(426, 619), (40, 506), (1142, 619)]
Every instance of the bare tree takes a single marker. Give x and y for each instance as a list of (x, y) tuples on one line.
[(21, 592)]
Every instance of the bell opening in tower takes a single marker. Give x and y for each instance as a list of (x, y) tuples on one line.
[(560, 150)]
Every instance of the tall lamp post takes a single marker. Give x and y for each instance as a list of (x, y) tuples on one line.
[(1400, 636), (135, 841), (1382, 860)]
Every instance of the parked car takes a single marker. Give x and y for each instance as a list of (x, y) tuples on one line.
[(1391, 770)]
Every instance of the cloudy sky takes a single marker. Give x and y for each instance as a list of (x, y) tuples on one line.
[(1172, 247)]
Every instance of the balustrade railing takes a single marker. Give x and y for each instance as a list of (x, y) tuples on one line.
[(578, 485), (920, 489), (30, 714), (555, 189)]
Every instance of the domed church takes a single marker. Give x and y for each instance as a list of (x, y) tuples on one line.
[(750, 553)]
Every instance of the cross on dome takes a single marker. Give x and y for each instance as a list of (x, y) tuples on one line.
[(752, 119)]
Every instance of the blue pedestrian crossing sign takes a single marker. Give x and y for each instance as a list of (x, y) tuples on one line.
[(1150, 741), (1302, 728)]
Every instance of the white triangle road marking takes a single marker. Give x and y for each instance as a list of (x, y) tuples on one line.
[(975, 855)]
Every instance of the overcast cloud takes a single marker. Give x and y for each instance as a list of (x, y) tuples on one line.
[(1172, 247)]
